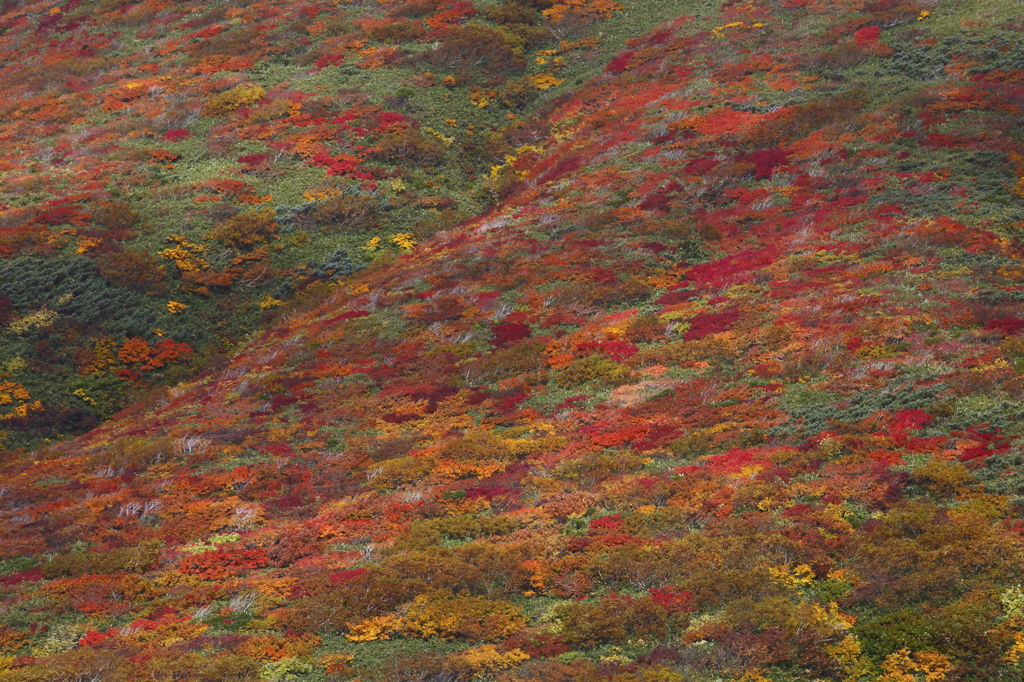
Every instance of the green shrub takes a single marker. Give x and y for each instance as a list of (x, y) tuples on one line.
[(75, 287)]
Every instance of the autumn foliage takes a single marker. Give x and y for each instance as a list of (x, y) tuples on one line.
[(726, 384)]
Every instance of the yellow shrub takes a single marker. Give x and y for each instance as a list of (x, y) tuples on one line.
[(184, 254), (543, 81), (904, 666), (403, 240), (40, 319), (243, 95), (15, 401), (378, 627), (792, 578), (486, 659), (442, 614)]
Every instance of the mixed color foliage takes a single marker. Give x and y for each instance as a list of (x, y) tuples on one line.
[(726, 383), (180, 173)]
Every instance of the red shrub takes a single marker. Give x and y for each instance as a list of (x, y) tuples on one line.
[(867, 36), (225, 563), (506, 333), (710, 323)]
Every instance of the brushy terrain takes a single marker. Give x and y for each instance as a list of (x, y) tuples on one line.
[(716, 376), (172, 175)]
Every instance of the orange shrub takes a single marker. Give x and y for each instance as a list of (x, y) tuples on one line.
[(440, 613)]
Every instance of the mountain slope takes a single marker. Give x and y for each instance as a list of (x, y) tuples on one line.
[(726, 386), (173, 175)]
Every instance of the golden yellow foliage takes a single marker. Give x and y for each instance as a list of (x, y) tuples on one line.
[(848, 653), (18, 399), (487, 659), (403, 240), (377, 627), (543, 81), (443, 614), (184, 254), (792, 578), (904, 666)]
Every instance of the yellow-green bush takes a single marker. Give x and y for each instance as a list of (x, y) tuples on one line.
[(243, 95)]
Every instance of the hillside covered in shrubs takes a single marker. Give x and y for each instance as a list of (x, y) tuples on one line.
[(703, 363), (173, 175)]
